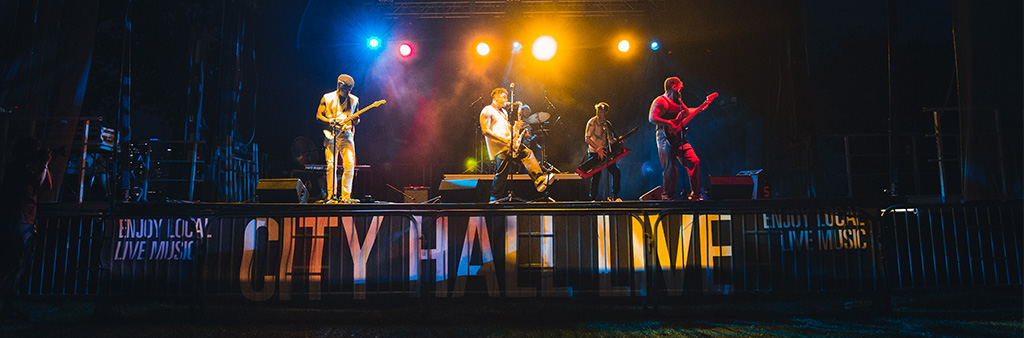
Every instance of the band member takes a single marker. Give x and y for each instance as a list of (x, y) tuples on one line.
[(599, 137), (339, 140), (501, 143), (25, 175), (671, 115)]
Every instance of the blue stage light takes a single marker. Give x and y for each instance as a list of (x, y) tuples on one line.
[(655, 45), (516, 46), (373, 42)]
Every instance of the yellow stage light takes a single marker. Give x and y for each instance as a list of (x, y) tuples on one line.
[(544, 48), (483, 49), (624, 46)]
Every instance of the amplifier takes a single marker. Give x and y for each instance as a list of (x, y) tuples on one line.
[(281, 190), (731, 188)]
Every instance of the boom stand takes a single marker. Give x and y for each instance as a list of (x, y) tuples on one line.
[(511, 196)]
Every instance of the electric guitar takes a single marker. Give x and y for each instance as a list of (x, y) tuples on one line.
[(676, 136), (340, 126)]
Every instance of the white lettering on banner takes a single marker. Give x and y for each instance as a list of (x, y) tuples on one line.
[(284, 271), (127, 251), (639, 261), (360, 252), (621, 250), (249, 259), (150, 239), (604, 256), (547, 254), (673, 267), (832, 230), (512, 288), (477, 229), (318, 225), (415, 230), (439, 254), (708, 233)]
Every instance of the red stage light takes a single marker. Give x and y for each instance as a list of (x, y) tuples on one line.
[(405, 50)]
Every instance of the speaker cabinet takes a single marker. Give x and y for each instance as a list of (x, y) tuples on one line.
[(281, 190), (476, 188), (731, 188), (416, 194)]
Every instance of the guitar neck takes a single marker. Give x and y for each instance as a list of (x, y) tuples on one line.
[(356, 114)]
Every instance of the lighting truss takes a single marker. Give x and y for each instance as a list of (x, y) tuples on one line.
[(395, 9)]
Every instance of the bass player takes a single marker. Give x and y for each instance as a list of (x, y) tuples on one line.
[(671, 115)]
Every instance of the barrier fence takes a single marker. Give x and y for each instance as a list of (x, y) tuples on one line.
[(964, 245), (311, 252)]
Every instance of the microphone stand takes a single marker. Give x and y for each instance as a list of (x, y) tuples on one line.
[(481, 152)]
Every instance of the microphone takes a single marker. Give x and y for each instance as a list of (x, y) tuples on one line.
[(477, 100)]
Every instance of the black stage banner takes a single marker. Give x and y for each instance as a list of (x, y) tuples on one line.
[(492, 254)]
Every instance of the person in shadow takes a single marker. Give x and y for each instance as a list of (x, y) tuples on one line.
[(24, 176)]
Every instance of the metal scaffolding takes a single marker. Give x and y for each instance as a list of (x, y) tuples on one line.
[(394, 9)]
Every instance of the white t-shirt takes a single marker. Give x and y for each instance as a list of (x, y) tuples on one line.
[(499, 125)]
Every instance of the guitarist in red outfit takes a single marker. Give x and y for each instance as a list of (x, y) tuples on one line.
[(671, 115)]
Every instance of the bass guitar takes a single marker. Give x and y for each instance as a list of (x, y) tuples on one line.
[(676, 137)]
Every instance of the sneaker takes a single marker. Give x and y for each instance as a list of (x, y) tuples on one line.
[(350, 201), (614, 199), (543, 181), (331, 201)]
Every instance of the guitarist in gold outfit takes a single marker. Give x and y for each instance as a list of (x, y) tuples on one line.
[(505, 147), (671, 115), (334, 107)]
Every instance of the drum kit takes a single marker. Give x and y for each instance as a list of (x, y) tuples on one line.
[(537, 137)]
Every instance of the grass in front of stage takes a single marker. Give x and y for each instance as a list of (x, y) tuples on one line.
[(949, 314)]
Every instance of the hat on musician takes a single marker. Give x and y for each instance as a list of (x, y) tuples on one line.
[(601, 105), (346, 82)]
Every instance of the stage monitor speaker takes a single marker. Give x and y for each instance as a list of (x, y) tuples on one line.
[(653, 194), (731, 188), (281, 190), (467, 189), (476, 188)]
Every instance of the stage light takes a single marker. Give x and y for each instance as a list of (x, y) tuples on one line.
[(405, 50), (483, 49), (470, 163), (624, 46), (516, 46), (373, 42), (544, 48), (655, 45)]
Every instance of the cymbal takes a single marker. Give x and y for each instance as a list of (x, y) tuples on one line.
[(538, 117)]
